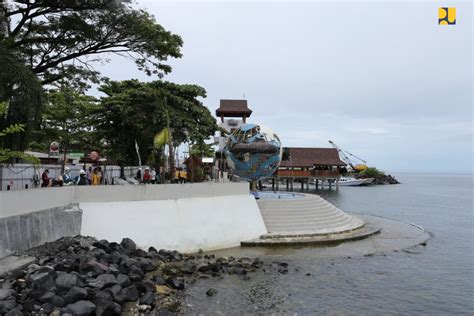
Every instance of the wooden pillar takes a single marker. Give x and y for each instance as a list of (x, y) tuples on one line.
[(302, 184), (278, 184), (307, 184), (287, 184), (273, 184), (337, 184), (330, 184), (317, 183), (291, 183)]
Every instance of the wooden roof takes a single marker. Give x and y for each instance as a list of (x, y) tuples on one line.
[(308, 157), (233, 108)]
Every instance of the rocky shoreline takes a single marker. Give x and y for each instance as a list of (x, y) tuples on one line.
[(84, 276), (380, 179)]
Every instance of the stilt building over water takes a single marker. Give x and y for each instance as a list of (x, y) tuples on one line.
[(305, 165)]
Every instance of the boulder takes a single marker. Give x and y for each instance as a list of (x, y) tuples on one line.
[(128, 244), (81, 308), (130, 293), (75, 294), (6, 294), (148, 298), (66, 280), (175, 283), (107, 307), (123, 280), (6, 306)]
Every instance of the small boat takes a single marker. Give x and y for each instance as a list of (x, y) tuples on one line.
[(349, 181)]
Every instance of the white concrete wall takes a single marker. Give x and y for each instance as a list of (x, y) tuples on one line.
[(186, 224), (185, 217), (26, 201)]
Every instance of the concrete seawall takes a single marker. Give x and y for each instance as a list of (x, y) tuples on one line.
[(28, 230), (185, 217)]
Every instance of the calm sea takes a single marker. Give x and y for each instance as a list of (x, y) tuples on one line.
[(436, 280)]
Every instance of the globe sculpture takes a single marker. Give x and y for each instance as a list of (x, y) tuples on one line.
[(253, 152)]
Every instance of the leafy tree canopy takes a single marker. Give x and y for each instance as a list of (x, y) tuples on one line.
[(134, 110), (61, 39), (68, 118)]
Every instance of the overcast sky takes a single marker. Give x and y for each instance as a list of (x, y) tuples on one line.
[(381, 79)]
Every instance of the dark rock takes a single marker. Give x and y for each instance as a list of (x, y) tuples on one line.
[(43, 278), (95, 267), (30, 306), (175, 283), (283, 264), (128, 244), (188, 267), (75, 294), (146, 265), (6, 294), (101, 244), (145, 286), (6, 306), (113, 270), (211, 292), (283, 270), (148, 299), (103, 280), (81, 308), (123, 280), (46, 309), (240, 271), (158, 279), (52, 298), (117, 293), (152, 249), (107, 307), (18, 274), (66, 280), (104, 295), (130, 293), (14, 312)]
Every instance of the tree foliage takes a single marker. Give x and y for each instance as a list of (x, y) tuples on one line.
[(7, 155), (68, 118), (63, 38), (46, 41), (136, 111)]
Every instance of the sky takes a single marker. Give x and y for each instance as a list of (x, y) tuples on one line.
[(381, 79)]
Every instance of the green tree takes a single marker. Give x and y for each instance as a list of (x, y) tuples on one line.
[(136, 111), (201, 149), (7, 155), (63, 40), (68, 118)]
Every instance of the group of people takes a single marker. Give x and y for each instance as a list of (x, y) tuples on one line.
[(149, 176), (91, 177)]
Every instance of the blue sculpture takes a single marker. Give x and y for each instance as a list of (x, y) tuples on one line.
[(253, 152)]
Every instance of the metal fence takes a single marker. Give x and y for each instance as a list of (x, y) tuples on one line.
[(25, 176)]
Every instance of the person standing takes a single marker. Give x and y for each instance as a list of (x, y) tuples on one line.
[(147, 176), (82, 180), (45, 179), (67, 178), (95, 177)]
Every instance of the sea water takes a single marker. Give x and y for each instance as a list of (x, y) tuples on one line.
[(434, 280)]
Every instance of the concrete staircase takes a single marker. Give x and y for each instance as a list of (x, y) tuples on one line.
[(307, 214)]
